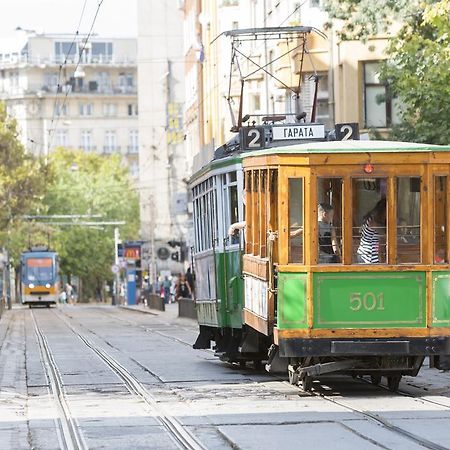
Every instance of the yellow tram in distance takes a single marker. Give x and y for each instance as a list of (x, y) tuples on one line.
[(347, 252)]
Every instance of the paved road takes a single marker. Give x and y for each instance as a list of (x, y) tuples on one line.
[(79, 377)]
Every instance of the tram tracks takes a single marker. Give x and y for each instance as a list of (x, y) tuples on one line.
[(173, 426), (368, 415), (69, 433)]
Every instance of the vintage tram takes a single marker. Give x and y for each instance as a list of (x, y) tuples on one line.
[(39, 279), (365, 292)]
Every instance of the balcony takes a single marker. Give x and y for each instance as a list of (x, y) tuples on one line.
[(133, 149), (109, 149), (39, 60), (88, 148)]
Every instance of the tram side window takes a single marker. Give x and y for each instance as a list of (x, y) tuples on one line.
[(440, 220), (204, 200), (369, 220), (408, 220), (295, 220), (230, 203), (329, 220)]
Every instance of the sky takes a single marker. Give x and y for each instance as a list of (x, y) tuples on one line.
[(116, 18)]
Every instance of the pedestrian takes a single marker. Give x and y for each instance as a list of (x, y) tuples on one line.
[(183, 289), (63, 297), (190, 278), (69, 291), (166, 285)]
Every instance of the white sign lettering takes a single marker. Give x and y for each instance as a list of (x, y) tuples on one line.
[(285, 132)]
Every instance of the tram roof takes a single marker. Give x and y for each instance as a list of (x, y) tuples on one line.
[(350, 146)]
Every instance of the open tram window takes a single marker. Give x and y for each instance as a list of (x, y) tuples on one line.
[(369, 220), (408, 220), (329, 220), (440, 220), (230, 203), (295, 220)]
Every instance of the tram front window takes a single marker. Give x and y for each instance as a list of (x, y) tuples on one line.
[(39, 270), (295, 220), (369, 220), (329, 225), (408, 220)]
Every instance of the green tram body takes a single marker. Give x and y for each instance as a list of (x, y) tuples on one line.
[(373, 319)]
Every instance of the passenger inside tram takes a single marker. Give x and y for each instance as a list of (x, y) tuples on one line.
[(373, 235), (329, 251)]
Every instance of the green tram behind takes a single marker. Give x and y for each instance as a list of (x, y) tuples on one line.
[(315, 313)]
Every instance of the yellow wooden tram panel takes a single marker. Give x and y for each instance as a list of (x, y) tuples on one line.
[(347, 166)]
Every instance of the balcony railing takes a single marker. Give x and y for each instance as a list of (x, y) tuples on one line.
[(133, 149), (88, 148), (111, 149), (71, 60)]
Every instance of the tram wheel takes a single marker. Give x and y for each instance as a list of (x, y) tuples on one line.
[(306, 383), (375, 379), (394, 382)]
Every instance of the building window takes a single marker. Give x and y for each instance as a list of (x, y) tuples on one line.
[(133, 109), (110, 142), (134, 169), (133, 146), (109, 109), (62, 138), (86, 140), (102, 51), (65, 50), (380, 110), (86, 109), (62, 109)]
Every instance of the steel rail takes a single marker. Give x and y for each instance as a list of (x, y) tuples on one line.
[(70, 432), (180, 434), (374, 418)]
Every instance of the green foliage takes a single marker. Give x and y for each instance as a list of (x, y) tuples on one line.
[(90, 184), (23, 181), (418, 73), (361, 19)]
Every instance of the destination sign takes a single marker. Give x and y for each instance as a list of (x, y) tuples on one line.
[(289, 132)]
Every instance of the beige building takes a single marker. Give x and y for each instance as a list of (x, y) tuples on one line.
[(63, 99), (349, 89), (164, 161)]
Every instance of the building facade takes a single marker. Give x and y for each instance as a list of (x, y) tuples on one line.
[(349, 89), (164, 162), (72, 93)]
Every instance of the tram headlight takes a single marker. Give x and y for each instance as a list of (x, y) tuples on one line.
[(48, 286), (31, 285)]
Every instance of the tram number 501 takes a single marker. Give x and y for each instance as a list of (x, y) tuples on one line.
[(253, 138), (368, 301)]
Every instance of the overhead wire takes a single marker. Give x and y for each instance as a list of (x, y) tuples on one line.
[(86, 40)]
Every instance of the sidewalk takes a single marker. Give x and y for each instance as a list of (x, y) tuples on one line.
[(170, 314)]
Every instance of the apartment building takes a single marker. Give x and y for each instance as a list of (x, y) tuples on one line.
[(164, 161), (349, 88), (73, 93)]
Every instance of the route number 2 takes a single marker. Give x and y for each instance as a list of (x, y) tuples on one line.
[(253, 138), (346, 131), (368, 301)]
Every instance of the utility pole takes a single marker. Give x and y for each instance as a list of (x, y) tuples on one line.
[(115, 298), (152, 266)]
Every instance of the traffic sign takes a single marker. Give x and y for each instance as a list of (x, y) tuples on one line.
[(115, 268)]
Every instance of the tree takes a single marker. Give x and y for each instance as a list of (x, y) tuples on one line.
[(23, 181), (360, 19), (90, 184), (418, 74)]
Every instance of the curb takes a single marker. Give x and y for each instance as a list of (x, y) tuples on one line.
[(143, 311)]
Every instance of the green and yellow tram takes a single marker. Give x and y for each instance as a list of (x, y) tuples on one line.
[(366, 293)]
